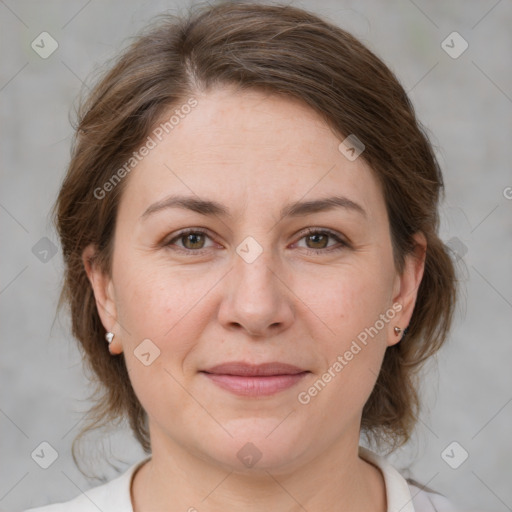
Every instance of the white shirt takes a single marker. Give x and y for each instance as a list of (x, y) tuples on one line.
[(114, 496)]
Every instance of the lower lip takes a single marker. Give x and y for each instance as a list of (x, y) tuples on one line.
[(255, 386)]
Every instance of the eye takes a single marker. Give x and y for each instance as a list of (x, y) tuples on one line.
[(318, 240), (192, 240)]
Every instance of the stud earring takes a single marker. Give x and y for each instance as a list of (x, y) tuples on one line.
[(397, 331), (109, 336)]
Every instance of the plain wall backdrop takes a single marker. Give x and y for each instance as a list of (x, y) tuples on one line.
[(463, 99)]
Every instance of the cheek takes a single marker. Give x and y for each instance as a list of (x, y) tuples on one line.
[(145, 304), (162, 303), (347, 300), (351, 336)]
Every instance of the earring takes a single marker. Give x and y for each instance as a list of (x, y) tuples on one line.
[(397, 331), (109, 336)]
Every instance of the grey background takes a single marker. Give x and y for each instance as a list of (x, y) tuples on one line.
[(466, 104)]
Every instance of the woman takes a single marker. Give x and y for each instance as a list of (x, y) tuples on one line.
[(249, 227)]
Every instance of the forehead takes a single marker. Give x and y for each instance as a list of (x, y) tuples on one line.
[(248, 150)]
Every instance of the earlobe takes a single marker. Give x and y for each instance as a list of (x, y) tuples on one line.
[(407, 286)]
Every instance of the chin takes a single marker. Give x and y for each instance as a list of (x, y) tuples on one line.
[(256, 446)]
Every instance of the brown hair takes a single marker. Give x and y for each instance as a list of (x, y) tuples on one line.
[(282, 50)]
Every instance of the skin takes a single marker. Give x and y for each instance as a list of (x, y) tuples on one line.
[(253, 153)]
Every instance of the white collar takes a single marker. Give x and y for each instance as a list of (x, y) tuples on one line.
[(398, 493)]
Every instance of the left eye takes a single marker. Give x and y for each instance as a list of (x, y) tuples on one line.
[(320, 240), (193, 240)]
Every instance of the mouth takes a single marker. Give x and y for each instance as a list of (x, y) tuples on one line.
[(245, 379)]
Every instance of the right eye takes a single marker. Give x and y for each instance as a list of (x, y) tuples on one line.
[(192, 240)]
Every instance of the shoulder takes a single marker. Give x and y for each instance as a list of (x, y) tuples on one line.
[(403, 495), (114, 496)]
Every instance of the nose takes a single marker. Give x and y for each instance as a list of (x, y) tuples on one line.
[(256, 297)]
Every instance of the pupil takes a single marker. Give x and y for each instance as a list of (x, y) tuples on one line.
[(192, 238), (316, 236)]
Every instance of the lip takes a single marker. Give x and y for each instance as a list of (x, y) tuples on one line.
[(245, 379), (241, 368)]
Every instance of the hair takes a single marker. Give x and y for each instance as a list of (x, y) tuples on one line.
[(285, 51)]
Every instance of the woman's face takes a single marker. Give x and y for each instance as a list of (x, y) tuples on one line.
[(250, 285)]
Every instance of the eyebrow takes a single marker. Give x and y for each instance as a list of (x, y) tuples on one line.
[(296, 209)]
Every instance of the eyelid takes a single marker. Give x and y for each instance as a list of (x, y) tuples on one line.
[(313, 231)]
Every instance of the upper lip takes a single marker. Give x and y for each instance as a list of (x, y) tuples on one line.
[(253, 370)]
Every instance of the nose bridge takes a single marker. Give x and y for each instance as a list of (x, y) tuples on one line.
[(256, 299), (253, 268)]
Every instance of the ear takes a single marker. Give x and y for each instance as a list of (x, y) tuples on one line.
[(103, 289), (406, 286)]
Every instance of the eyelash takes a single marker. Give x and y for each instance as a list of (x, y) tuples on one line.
[(308, 232)]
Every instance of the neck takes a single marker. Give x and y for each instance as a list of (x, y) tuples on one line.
[(338, 480)]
